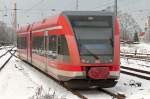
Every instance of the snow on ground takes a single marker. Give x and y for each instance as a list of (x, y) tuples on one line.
[(95, 94), (2, 51), (133, 87), (20, 81), (131, 48), (142, 65), (4, 59), (142, 48)]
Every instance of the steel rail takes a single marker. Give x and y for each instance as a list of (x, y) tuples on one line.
[(136, 75), (114, 95), (4, 64), (136, 70), (58, 82)]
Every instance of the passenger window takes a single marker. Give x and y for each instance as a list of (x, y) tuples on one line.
[(38, 46), (22, 42), (63, 50), (18, 43), (52, 52)]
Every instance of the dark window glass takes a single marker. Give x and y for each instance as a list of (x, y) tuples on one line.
[(38, 46), (52, 51), (63, 49), (22, 42), (18, 42), (94, 38)]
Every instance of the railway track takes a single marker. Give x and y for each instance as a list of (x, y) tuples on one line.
[(114, 95), (6, 52), (141, 57), (73, 91), (128, 53), (135, 72), (58, 82), (4, 64)]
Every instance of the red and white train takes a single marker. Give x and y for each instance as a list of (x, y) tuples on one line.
[(79, 48)]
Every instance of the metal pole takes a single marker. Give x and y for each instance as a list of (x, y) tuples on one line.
[(15, 16), (77, 4), (0, 10), (14, 22), (115, 7)]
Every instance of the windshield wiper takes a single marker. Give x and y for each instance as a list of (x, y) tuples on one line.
[(80, 44)]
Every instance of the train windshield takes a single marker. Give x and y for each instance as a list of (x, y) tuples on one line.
[(94, 35)]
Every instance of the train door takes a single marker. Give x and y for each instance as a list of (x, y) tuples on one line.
[(30, 48), (46, 46)]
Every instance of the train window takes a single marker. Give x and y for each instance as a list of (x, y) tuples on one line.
[(22, 42), (63, 51), (94, 38), (93, 33), (38, 46), (91, 21), (52, 51), (18, 42)]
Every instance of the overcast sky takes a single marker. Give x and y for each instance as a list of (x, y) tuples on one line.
[(34, 10)]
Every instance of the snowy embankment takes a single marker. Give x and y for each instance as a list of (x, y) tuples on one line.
[(20, 81)]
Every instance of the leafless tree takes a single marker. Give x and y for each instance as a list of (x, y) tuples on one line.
[(128, 26), (6, 33)]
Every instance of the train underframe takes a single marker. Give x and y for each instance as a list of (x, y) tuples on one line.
[(89, 83)]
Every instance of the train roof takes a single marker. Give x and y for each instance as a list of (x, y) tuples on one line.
[(84, 13), (54, 19)]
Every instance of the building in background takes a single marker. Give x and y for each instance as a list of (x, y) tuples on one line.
[(141, 36), (147, 31)]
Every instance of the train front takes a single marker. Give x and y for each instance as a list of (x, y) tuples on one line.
[(97, 39)]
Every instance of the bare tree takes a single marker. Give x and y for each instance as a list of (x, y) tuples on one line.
[(128, 26), (6, 33)]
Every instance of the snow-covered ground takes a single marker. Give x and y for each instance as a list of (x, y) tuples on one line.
[(140, 48), (142, 65), (2, 51), (128, 84), (95, 94), (132, 87), (18, 80)]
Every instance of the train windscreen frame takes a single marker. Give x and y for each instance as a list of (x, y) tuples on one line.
[(94, 35)]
